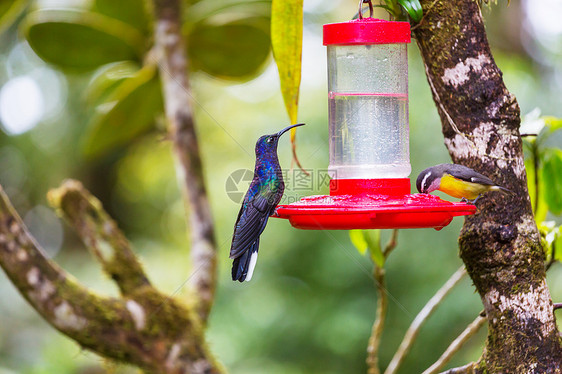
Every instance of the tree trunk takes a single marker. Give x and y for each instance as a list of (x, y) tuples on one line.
[(500, 244)]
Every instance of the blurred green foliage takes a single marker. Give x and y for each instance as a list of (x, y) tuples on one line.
[(226, 42), (543, 162), (311, 305), (128, 110)]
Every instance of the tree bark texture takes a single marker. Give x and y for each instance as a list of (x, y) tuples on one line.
[(173, 64), (500, 244)]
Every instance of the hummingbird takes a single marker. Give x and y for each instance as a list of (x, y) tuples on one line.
[(259, 203)]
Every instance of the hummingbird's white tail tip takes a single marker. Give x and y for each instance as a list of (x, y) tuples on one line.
[(252, 266)]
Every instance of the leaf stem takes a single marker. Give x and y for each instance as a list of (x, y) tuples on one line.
[(378, 325), (389, 247)]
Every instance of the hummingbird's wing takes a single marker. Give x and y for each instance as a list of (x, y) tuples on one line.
[(245, 242), (251, 222)]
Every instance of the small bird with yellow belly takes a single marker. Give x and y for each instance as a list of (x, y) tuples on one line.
[(457, 181)]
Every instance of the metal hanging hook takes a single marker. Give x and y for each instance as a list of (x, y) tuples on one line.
[(371, 10)]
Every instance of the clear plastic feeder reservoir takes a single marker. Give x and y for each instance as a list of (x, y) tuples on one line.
[(368, 99)]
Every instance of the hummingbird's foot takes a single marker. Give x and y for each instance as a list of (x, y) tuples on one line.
[(464, 200)]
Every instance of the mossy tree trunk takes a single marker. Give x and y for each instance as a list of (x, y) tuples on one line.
[(500, 245)]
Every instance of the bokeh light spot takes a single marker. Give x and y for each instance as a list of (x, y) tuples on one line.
[(21, 105)]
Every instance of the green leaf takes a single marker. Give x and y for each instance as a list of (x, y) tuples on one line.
[(10, 10), (368, 239), (542, 210), (373, 238), (132, 12), (393, 8), (107, 78), (231, 10), (234, 50), (358, 240), (413, 8), (286, 41), (557, 245), (129, 111), (551, 174), (79, 40), (553, 123)]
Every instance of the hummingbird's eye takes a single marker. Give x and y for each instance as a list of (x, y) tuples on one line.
[(269, 140)]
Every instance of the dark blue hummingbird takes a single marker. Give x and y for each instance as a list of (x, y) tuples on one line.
[(259, 203)]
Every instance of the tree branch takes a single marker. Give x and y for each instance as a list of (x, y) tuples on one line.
[(145, 329), (173, 64), (455, 346), (500, 245), (100, 234), (469, 368), (423, 315)]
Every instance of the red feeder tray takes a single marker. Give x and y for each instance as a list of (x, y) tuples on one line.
[(372, 204)]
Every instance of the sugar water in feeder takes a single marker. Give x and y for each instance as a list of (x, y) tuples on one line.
[(368, 103)]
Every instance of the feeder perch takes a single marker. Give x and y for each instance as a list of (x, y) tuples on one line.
[(369, 137)]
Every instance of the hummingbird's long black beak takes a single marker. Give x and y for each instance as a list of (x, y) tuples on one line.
[(288, 128)]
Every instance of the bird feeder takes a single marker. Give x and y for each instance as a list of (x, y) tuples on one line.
[(369, 137)]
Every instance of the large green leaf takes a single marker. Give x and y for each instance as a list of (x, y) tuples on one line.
[(79, 40), (10, 10), (552, 177), (107, 78), (132, 12), (129, 111), (227, 10), (232, 50), (286, 41)]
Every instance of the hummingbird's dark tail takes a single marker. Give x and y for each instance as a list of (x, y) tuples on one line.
[(243, 266)]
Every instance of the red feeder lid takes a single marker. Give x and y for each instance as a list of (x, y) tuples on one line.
[(373, 209), (366, 31)]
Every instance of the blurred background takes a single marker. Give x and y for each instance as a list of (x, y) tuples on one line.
[(311, 304)]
